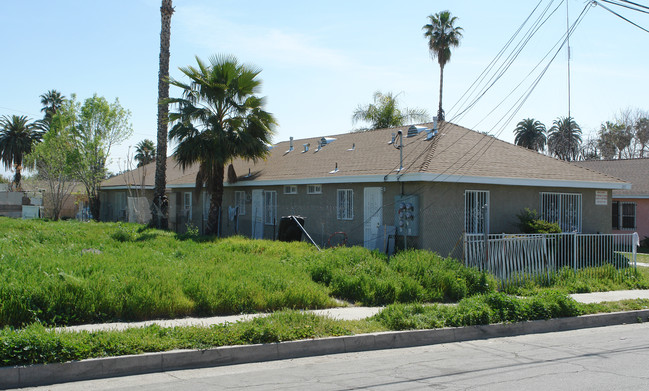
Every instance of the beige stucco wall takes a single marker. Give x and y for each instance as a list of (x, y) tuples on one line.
[(441, 211)]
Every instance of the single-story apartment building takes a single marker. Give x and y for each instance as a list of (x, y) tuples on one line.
[(630, 207), (428, 183)]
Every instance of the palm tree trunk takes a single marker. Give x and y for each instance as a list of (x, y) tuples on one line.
[(216, 193), (160, 209), (440, 112), (17, 177)]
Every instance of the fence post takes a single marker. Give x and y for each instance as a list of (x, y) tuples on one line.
[(574, 250), (466, 260), (485, 226), (634, 244)]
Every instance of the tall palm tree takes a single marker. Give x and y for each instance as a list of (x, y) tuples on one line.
[(159, 209), (530, 134), (385, 113), (52, 101), (564, 138), (442, 35), (144, 152), (219, 118), (17, 137)]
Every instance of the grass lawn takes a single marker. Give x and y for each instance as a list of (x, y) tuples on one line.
[(36, 344), (644, 258), (64, 273)]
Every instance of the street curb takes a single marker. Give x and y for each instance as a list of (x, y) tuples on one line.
[(45, 374)]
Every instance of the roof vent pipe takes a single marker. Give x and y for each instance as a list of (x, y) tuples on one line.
[(306, 147), (434, 123), (399, 135), (335, 169), (290, 144)]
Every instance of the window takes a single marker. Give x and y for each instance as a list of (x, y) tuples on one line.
[(624, 215), (563, 209), (292, 189), (314, 189), (206, 205), (187, 205), (345, 204), (240, 201), (476, 208), (270, 207)]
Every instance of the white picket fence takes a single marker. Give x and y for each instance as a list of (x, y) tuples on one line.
[(513, 258)]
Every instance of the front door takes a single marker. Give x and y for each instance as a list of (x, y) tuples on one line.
[(373, 215), (257, 214)]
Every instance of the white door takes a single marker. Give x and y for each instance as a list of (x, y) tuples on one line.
[(373, 215), (257, 214)]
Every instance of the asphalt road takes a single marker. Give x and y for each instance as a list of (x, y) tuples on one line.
[(608, 358)]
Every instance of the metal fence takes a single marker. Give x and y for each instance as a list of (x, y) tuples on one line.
[(515, 258)]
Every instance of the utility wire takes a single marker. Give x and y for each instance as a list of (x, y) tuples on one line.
[(636, 4), (626, 6), (620, 16)]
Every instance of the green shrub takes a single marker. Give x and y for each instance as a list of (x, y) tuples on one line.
[(478, 310), (530, 223)]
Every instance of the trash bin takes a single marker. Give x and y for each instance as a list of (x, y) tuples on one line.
[(288, 230)]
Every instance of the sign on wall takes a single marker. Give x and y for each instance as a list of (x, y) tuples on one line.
[(601, 197)]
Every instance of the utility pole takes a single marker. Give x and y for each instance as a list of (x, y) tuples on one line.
[(568, 38)]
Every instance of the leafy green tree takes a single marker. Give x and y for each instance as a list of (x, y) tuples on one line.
[(219, 118), (530, 134), (385, 113), (17, 138), (641, 127), (98, 125), (55, 159), (52, 101), (159, 209), (144, 152), (442, 35), (564, 138)]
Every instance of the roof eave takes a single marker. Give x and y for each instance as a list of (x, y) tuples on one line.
[(425, 177)]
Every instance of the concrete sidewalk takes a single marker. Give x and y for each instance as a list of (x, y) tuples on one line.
[(33, 375), (341, 313)]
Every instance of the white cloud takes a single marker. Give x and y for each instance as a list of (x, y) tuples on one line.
[(204, 28)]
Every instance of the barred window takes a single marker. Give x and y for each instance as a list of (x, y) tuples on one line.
[(624, 215), (345, 204), (240, 201), (270, 207), (628, 215), (206, 205), (187, 204), (476, 207), (563, 209)]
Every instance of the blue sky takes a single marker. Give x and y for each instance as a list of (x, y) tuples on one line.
[(320, 60)]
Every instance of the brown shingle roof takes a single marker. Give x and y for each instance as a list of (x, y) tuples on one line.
[(635, 171), (455, 154), (146, 172)]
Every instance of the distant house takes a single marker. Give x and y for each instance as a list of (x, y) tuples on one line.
[(35, 200), (630, 210), (445, 180)]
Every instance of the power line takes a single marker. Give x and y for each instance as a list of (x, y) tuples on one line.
[(620, 16), (636, 4), (627, 6), (19, 111)]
